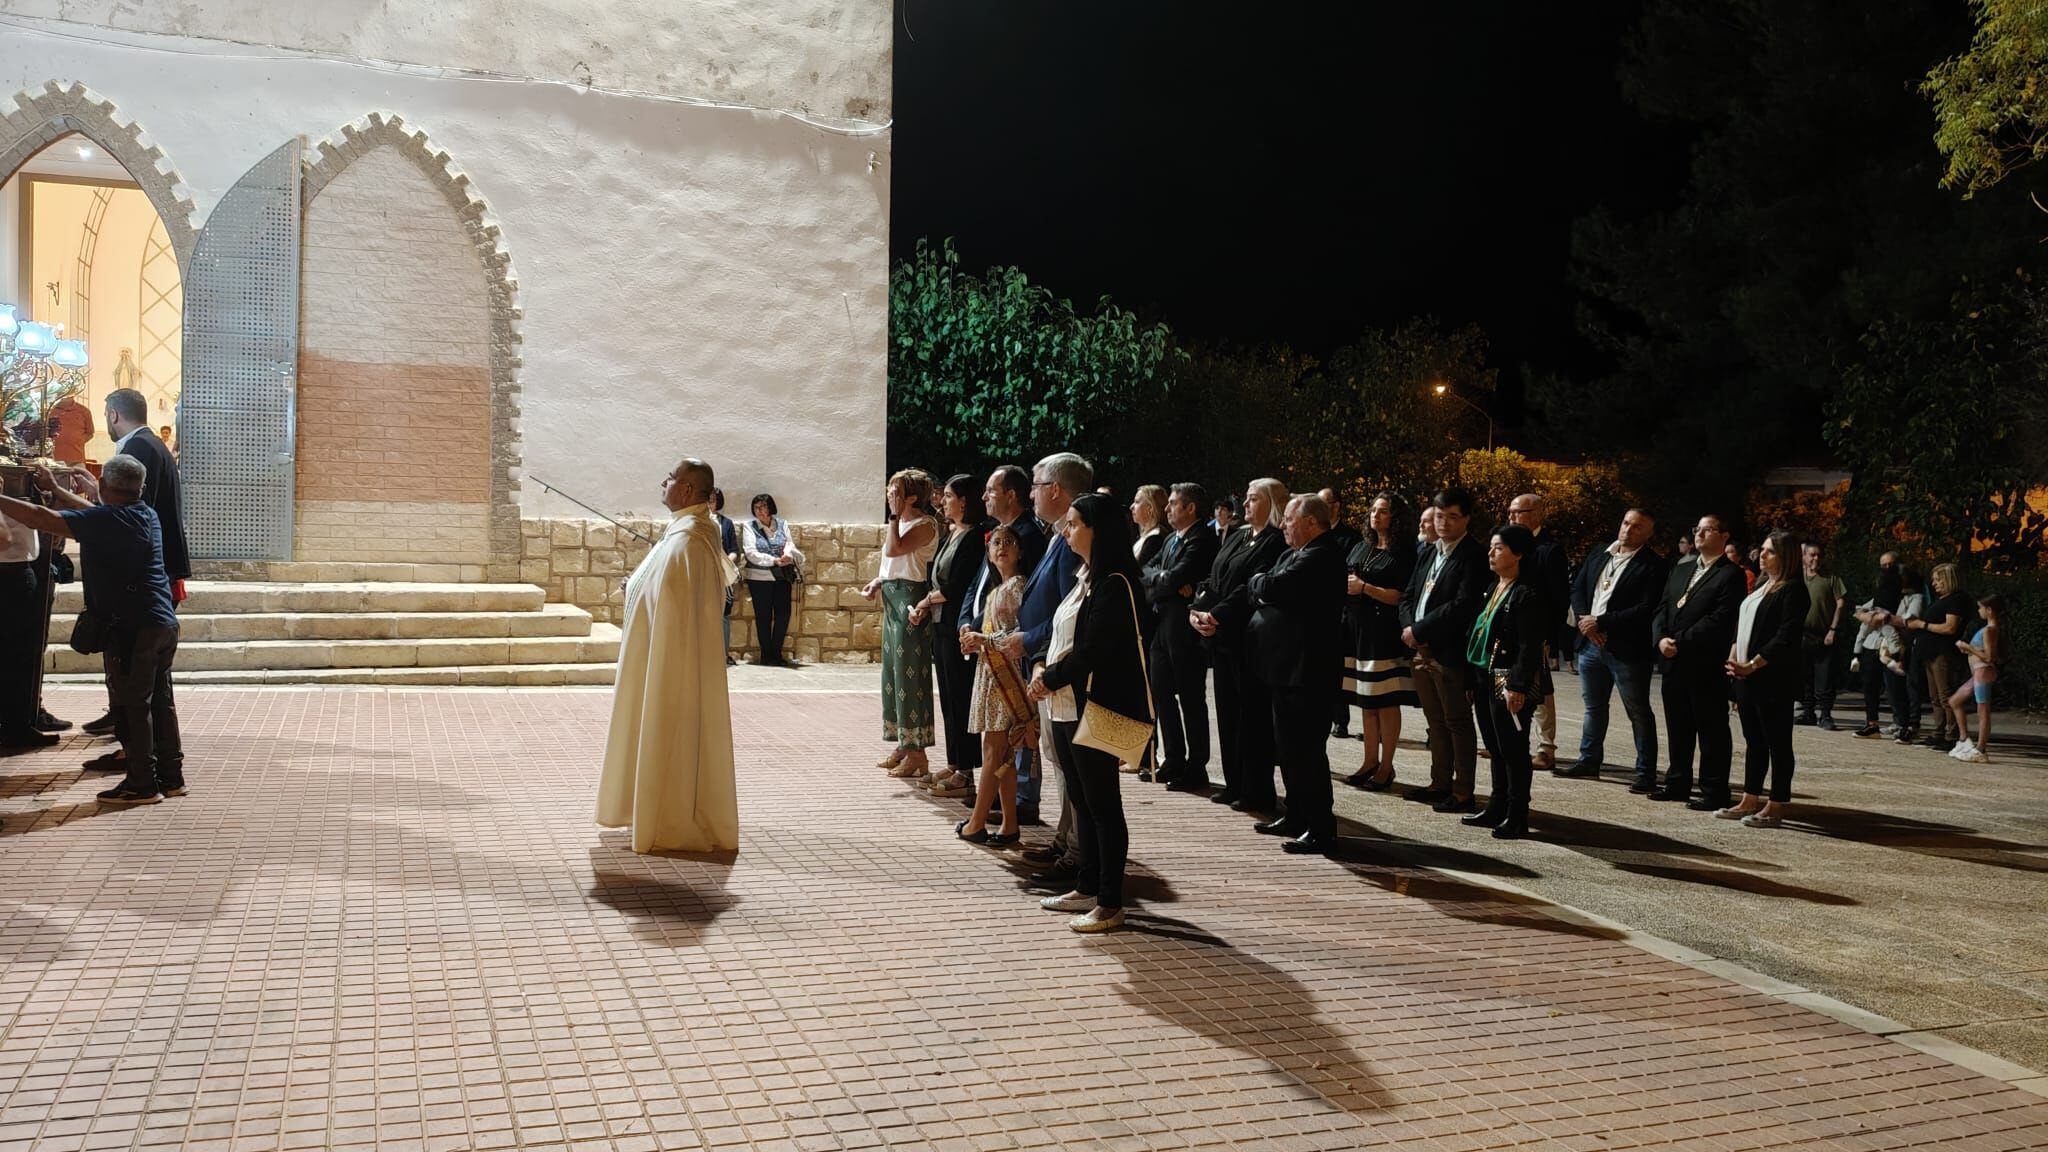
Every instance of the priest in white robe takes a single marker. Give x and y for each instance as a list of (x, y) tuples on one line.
[(668, 768)]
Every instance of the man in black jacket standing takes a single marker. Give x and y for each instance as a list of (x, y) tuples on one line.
[(1695, 627), (1180, 665), (1616, 597), (1442, 599), (1296, 640), (1552, 573)]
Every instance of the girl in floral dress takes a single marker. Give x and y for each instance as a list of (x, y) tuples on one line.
[(999, 709)]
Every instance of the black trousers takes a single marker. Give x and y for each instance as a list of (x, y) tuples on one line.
[(771, 616), (1881, 686), (956, 685), (1766, 711), (1301, 732), (1696, 712), (1818, 686), (1506, 735), (1244, 722), (1180, 687), (21, 649), (145, 711), (1100, 834)]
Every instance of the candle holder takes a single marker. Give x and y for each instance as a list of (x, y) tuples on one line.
[(38, 369)]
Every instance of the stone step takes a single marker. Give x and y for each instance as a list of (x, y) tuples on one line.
[(224, 597), (326, 573), (200, 628), (464, 675), (600, 646)]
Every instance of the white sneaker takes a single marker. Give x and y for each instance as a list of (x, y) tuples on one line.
[(1963, 750), (1976, 756), (1068, 902)]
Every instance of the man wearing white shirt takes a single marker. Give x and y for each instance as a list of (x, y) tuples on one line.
[(1616, 598)]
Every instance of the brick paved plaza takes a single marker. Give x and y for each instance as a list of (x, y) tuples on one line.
[(384, 919)]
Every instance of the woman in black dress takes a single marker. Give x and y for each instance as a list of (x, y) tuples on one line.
[(1506, 647), (953, 573), (1378, 675)]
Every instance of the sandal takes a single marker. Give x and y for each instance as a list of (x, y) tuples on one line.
[(906, 772), (1379, 784), (980, 836), (890, 762)]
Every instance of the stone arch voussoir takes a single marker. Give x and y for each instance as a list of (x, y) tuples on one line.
[(41, 117), (330, 157)]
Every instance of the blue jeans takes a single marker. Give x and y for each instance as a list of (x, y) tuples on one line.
[(1599, 674)]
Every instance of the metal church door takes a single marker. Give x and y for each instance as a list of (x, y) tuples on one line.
[(237, 408)]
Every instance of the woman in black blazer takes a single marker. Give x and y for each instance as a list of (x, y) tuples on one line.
[(1764, 669), (1221, 609), (954, 570), (1102, 667), (1506, 646)]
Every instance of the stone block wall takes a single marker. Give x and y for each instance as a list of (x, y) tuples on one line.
[(586, 562)]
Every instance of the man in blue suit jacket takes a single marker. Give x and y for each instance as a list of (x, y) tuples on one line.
[(1008, 500), (1055, 483)]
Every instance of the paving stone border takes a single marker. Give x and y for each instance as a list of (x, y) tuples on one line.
[(584, 561), (59, 109), (326, 160)]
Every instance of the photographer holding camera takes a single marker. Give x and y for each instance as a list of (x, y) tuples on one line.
[(129, 613)]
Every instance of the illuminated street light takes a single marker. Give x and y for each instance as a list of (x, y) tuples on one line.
[(1440, 388)]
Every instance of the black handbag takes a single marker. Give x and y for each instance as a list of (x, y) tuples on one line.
[(88, 634)]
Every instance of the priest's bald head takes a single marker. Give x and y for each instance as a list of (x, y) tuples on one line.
[(690, 482)]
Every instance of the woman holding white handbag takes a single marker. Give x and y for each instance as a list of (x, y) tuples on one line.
[(1101, 704)]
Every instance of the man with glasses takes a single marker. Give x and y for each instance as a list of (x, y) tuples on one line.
[(1615, 597), (1553, 577), (1442, 599), (1695, 627)]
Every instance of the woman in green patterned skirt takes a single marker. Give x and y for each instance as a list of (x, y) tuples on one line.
[(909, 539)]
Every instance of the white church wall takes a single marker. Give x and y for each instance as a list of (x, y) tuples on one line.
[(692, 279)]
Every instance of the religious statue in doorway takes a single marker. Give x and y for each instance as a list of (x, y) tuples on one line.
[(126, 375)]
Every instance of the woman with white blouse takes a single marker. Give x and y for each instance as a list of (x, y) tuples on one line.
[(771, 572)]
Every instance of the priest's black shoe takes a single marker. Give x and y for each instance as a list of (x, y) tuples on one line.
[(48, 723), (1643, 785), (1428, 795), (1578, 771), (1222, 796), (110, 762), (1511, 830), (1311, 844), (1186, 783), (1672, 795), (1278, 827), (1450, 804), (104, 726), (1487, 817), (1710, 804), (1053, 881), (1248, 804)]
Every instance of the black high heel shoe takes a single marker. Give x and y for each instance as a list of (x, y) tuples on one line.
[(1488, 817), (1378, 785)]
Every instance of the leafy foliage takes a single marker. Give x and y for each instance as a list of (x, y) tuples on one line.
[(1583, 503), (994, 366), (1991, 102), (1927, 422)]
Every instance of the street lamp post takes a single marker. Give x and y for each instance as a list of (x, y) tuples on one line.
[(1442, 389)]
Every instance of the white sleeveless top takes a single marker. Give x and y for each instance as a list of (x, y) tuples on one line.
[(912, 566)]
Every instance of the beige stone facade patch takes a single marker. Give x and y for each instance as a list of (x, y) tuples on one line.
[(586, 562), (42, 117), (327, 160)]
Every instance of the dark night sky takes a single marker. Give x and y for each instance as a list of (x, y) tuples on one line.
[(1287, 172)]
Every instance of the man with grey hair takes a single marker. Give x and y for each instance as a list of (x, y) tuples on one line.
[(121, 549), (1055, 482), (1296, 646)]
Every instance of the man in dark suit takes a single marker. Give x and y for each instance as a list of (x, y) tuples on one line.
[(1296, 641), (1695, 628), (1007, 497), (128, 423), (1442, 599), (1180, 665), (1553, 577), (1616, 597), (1345, 538), (1055, 482)]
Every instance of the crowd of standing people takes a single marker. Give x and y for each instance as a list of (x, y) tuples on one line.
[(1055, 621)]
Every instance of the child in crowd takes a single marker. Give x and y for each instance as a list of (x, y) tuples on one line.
[(1983, 650), (999, 710)]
